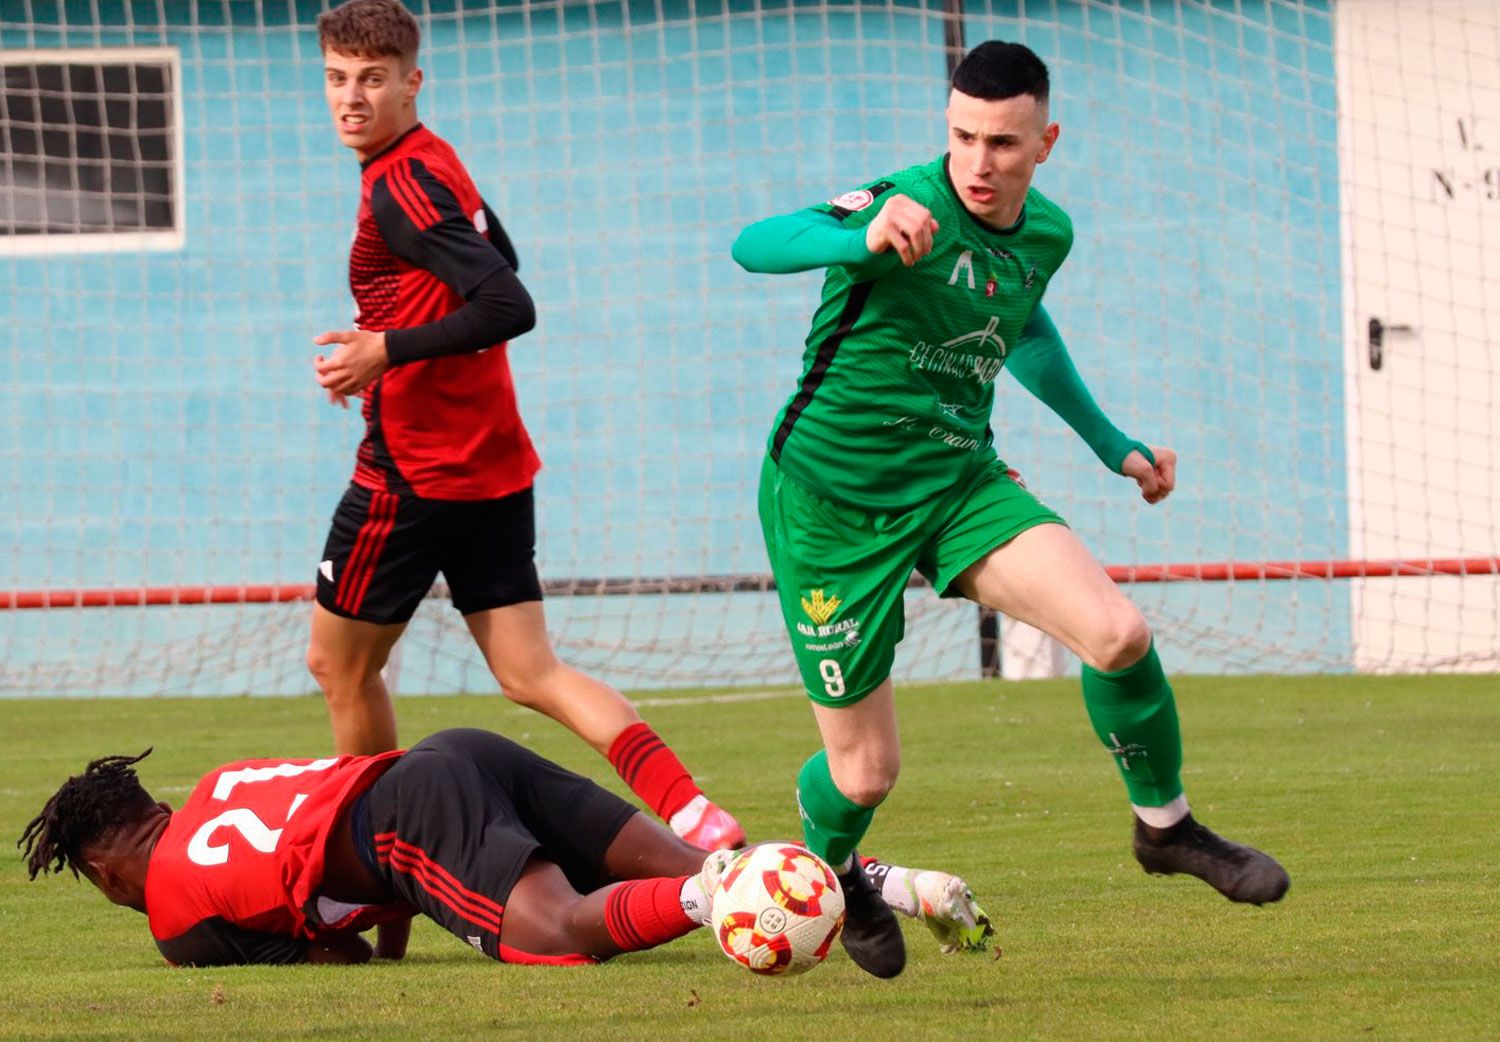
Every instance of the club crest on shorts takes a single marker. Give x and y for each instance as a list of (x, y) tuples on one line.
[(820, 608)]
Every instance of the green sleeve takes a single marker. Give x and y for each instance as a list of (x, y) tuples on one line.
[(1041, 363), (799, 241)]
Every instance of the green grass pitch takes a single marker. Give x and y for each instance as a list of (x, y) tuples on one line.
[(1379, 794)]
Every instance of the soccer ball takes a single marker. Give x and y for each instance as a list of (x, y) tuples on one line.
[(778, 909)]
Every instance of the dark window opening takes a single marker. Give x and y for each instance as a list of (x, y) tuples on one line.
[(87, 147)]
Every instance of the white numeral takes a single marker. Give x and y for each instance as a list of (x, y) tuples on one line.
[(244, 821), (833, 677), (229, 779), (201, 848)]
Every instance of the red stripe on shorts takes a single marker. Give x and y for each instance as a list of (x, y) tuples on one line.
[(360, 569), (439, 882)]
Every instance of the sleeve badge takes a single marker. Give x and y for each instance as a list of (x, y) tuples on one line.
[(854, 201)]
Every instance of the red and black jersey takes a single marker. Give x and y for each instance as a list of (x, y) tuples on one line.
[(235, 875), (442, 428)]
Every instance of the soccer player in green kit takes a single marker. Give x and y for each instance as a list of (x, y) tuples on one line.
[(883, 460)]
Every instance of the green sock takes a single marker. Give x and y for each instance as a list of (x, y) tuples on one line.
[(1134, 715), (832, 823)]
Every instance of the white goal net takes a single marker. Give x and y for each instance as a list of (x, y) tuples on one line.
[(175, 214)]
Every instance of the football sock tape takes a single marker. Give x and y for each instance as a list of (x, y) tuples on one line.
[(1135, 716)]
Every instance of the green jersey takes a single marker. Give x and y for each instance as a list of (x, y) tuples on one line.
[(898, 374)]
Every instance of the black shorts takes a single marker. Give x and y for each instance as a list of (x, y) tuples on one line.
[(384, 551), (454, 822)]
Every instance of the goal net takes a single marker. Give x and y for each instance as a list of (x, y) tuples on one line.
[(175, 215)]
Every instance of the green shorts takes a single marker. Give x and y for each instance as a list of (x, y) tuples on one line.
[(841, 571)]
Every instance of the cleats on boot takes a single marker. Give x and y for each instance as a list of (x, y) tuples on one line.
[(715, 829), (712, 874), (949, 910), (1238, 872), (871, 934)]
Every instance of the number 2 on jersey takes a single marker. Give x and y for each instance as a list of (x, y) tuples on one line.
[(202, 851)]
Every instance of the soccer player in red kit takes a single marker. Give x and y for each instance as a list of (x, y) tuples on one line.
[(283, 861), (443, 479)]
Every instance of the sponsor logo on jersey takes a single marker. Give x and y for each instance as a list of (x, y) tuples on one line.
[(981, 364), (854, 201), (954, 439), (964, 266), (819, 607), (326, 570), (850, 640), (980, 338)]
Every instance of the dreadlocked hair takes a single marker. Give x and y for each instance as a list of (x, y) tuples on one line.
[(88, 806)]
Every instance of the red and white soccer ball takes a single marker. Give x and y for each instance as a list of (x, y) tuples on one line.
[(778, 909)]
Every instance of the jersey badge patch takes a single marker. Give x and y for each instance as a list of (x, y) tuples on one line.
[(855, 201)]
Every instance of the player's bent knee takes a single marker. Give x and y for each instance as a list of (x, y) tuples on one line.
[(322, 667), (870, 795), (1125, 642), (532, 684), (528, 696), (337, 675), (870, 787)]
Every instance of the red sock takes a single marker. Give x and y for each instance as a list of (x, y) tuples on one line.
[(646, 912), (652, 770)]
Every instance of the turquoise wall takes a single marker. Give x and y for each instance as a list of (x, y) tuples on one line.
[(159, 423)]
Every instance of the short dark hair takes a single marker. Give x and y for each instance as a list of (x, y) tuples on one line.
[(370, 29), (106, 797), (997, 69)]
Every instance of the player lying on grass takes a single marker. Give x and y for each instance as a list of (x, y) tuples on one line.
[(285, 861)]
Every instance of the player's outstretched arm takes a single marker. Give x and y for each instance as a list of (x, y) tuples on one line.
[(1041, 363), (812, 238), (800, 241)]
